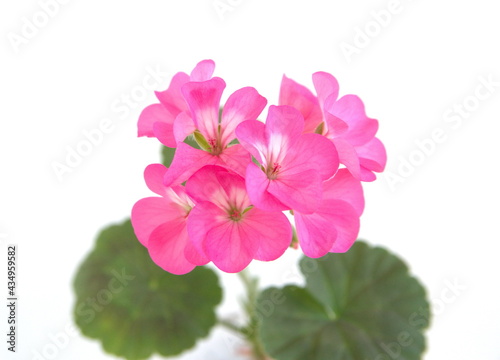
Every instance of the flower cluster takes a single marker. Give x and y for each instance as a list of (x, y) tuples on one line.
[(224, 201)]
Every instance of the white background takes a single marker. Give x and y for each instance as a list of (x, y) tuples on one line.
[(442, 217)]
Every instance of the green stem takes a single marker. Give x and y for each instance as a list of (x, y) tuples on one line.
[(251, 330), (233, 327), (250, 305)]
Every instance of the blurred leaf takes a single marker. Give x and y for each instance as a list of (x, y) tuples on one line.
[(359, 305), (167, 154), (134, 307)]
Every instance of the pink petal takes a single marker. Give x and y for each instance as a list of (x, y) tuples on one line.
[(346, 223), (372, 155), (348, 156), (311, 152), (194, 256), (165, 134), (284, 126), (221, 239), (153, 175), (243, 104), (183, 126), (252, 136), (187, 160), (149, 116), (228, 248), (172, 98), (199, 221), (351, 109), (205, 185), (257, 185), (273, 230), (301, 98), (332, 228), (203, 71), (234, 187), (235, 158), (301, 191), (315, 232), (166, 247), (343, 186), (203, 99), (178, 195), (326, 86), (367, 175), (149, 213), (334, 126)]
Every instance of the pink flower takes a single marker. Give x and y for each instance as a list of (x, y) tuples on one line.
[(157, 120), (160, 224), (334, 226), (343, 121), (293, 165), (226, 228), (212, 135), (230, 210)]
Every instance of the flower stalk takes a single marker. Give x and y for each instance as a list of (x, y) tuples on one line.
[(251, 330)]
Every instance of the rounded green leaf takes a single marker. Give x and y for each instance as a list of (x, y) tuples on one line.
[(134, 307), (359, 305)]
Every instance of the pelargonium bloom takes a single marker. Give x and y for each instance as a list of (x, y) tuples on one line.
[(334, 225), (157, 120), (343, 120), (160, 224), (293, 165), (226, 228), (212, 135)]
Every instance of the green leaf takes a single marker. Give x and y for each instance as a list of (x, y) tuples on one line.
[(134, 307), (167, 153), (358, 305)]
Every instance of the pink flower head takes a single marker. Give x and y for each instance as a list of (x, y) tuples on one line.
[(334, 226), (157, 120), (230, 210), (343, 121), (160, 224), (212, 135), (226, 228), (293, 165)]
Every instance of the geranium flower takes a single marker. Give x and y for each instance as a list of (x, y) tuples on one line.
[(334, 225), (214, 137), (293, 165), (343, 121), (160, 224), (226, 228), (157, 120)]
